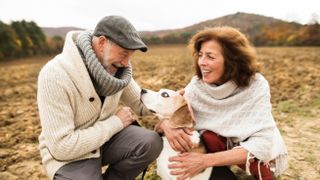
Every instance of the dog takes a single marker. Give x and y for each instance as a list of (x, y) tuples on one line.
[(170, 105)]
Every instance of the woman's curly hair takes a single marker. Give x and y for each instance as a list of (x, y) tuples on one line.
[(240, 62)]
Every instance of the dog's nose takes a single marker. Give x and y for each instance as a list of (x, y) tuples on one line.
[(143, 91)]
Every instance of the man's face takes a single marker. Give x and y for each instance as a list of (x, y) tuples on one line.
[(114, 57)]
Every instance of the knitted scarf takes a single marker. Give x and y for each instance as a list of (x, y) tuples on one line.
[(104, 83), (242, 115)]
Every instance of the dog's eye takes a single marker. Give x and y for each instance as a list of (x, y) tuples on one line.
[(164, 94)]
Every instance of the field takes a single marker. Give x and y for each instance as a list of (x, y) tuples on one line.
[(293, 75)]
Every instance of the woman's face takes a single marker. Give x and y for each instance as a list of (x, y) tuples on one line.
[(211, 62)]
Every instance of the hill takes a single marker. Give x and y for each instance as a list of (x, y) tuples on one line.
[(60, 31), (261, 30), (243, 21)]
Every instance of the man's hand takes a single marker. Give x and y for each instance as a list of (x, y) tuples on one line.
[(126, 115), (178, 138)]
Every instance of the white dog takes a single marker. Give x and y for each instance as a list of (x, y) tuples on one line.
[(170, 105)]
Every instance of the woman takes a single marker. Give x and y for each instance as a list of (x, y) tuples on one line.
[(231, 104)]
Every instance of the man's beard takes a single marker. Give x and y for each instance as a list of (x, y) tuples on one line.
[(112, 68)]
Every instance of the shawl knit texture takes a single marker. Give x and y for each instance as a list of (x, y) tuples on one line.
[(242, 115), (75, 123)]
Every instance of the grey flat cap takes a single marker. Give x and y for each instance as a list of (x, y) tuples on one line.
[(120, 31)]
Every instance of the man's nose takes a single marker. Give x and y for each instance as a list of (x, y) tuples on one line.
[(125, 62)]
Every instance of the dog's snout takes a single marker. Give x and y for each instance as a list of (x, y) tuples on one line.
[(143, 91)]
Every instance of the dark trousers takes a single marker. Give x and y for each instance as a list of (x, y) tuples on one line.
[(127, 154), (216, 143)]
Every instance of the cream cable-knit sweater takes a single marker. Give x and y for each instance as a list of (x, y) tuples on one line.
[(243, 116), (74, 125)]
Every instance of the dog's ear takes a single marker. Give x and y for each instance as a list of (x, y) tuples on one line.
[(182, 118)]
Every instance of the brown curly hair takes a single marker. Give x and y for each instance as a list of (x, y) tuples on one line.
[(240, 62)]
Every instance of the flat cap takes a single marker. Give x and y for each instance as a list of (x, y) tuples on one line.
[(120, 31)]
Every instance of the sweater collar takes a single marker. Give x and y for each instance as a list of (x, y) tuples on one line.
[(217, 92), (72, 62), (104, 83)]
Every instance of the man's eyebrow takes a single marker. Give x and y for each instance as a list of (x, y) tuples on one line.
[(125, 52)]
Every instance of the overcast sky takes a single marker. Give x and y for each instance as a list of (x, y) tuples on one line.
[(150, 14)]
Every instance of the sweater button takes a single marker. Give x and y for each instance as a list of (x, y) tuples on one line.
[(91, 99), (94, 151)]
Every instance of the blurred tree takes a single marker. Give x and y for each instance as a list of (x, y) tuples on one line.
[(37, 37), (172, 38), (288, 34), (55, 44), (23, 38), (314, 18), (185, 36), (31, 36), (26, 42), (9, 43), (152, 40), (309, 35)]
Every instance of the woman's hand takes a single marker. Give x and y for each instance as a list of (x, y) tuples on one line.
[(187, 165), (178, 138)]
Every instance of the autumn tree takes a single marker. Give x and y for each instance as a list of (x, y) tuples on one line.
[(9, 42)]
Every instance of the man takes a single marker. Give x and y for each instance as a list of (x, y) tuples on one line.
[(78, 94)]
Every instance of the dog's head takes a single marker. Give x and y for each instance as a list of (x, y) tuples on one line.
[(169, 104)]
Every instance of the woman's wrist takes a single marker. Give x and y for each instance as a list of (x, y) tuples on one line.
[(208, 160)]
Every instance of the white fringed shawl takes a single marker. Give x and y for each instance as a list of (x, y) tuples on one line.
[(243, 116)]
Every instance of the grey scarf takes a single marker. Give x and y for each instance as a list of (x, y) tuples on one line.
[(104, 83)]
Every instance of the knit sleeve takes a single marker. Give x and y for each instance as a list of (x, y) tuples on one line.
[(62, 139), (131, 97)]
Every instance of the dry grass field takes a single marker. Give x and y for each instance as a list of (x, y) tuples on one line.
[(293, 75)]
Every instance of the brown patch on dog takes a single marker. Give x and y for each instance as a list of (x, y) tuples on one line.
[(181, 118), (199, 148)]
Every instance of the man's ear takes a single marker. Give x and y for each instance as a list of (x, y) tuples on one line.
[(98, 45), (101, 41), (181, 118)]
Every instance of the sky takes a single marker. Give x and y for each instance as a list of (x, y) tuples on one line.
[(150, 15)]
